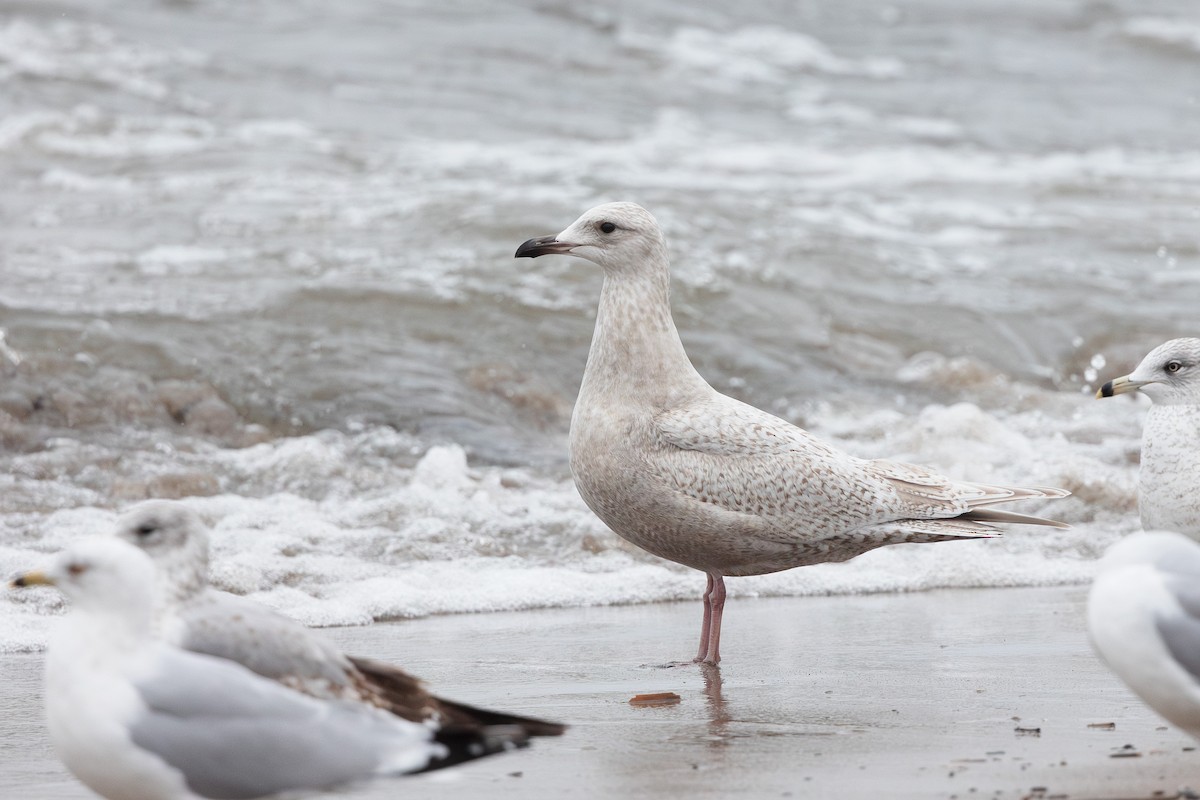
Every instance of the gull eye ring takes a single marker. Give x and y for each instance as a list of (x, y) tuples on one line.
[(1173, 366)]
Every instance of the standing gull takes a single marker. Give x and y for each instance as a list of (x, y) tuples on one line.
[(135, 718), (1144, 621), (191, 614), (699, 478), (1170, 473)]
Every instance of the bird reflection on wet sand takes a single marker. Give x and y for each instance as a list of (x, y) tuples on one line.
[(718, 716)]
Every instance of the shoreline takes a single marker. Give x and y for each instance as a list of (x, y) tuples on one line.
[(916, 695)]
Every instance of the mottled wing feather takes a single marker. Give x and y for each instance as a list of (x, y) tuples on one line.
[(721, 451), (725, 452), (394, 689), (923, 493), (270, 644)]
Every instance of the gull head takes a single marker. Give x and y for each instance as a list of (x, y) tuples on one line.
[(1169, 374), (99, 574), (623, 238), (175, 540)]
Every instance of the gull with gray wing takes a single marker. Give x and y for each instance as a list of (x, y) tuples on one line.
[(135, 718), (702, 479)]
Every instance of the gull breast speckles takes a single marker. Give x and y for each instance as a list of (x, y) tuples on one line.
[(1144, 621), (135, 718), (190, 613), (702, 479), (1169, 477)]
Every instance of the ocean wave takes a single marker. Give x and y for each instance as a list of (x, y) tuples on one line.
[(92, 55), (754, 54), (1173, 34)]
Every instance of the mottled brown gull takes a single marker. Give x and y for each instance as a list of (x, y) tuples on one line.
[(1170, 471), (704, 480), (192, 614)]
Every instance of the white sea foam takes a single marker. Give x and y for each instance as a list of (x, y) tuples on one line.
[(1175, 33), (762, 53), (330, 528), (90, 54)]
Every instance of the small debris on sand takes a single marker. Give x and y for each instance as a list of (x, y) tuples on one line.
[(655, 699), (1127, 751)]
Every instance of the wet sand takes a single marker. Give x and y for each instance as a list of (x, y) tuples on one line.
[(932, 695)]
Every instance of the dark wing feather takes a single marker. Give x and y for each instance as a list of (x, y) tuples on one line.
[(405, 696)]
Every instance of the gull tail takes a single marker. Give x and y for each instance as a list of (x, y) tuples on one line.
[(989, 515), (1011, 494), (405, 696), (530, 725), (466, 744), (991, 495)]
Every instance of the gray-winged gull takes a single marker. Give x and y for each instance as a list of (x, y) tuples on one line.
[(1144, 621), (699, 478), (1169, 478), (195, 616), (137, 719)]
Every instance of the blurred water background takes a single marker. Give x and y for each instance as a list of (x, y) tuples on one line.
[(258, 255)]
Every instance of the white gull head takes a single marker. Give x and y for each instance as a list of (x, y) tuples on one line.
[(102, 576), (1168, 375), (175, 540), (623, 238)]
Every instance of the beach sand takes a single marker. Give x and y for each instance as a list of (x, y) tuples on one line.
[(985, 693)]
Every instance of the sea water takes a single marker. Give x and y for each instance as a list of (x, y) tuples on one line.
[(258, 256)]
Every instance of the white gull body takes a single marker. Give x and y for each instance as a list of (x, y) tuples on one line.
[(1144, 622), (1169, 478), (137, 719), (702, 479)]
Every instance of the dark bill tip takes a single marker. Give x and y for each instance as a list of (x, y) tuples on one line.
[(542, 246), (1105, 391)]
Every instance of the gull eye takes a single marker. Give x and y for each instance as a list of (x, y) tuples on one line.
[(607, 227), (145, 530), (1173, 366), (77, 569)]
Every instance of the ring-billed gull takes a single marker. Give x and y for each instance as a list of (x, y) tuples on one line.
[(699, 478), (1170, 376), (1144, 621), (197, 617), (137, 719)]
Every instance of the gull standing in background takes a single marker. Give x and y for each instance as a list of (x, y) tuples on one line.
[(135, 718), (705, 480), (193, 615), (1169, 477), (1144, 621)]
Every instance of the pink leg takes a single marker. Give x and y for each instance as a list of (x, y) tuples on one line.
[(704, 626), (716, 598)]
